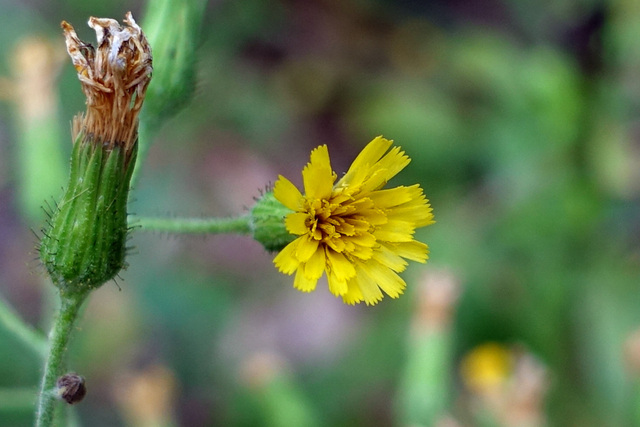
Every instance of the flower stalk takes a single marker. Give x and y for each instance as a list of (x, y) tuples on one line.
[(58, 341), (84, 244), (425, 386), (236, 225)]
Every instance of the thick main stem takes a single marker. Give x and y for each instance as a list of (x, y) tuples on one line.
[(58, 340)]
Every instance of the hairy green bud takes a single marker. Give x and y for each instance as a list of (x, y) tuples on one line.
[(267, 223), (85, 244)]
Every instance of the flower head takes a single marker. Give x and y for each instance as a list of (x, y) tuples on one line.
[(84, 243), (487, 367), (355, 231), (114, 77)]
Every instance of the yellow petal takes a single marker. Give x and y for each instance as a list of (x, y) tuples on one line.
[(416, 210), (361, 205), (304, 283), (390, 197), (353, 295), (385, 256), (362, 252), (317, 175), (420, 216), (364, 239), (337, 286), (426, 220), (376, 179), (351, 182), (361, 225), (395, 231), (337, 244), (306, 248), (286, 261), (414, 250), (387, 280), (340, 266), (367, 157), (375, 217), (287, 193), (316, 265), (387, 168), (394, 161), (296, 223), (370, 291)]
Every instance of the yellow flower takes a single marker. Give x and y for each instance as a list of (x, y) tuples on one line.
[(354, 231), (487, 367)]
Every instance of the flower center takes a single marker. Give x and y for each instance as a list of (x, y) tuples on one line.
[(335, 223)]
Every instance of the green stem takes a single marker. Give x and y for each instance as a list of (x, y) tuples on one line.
[(237, 225), (58, 340), (21, 330)]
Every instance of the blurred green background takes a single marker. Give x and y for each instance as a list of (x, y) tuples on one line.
[(522, 121)]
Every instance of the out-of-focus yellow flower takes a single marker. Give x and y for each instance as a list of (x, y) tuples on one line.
[(508, 385), (355, 231), (486, 367)]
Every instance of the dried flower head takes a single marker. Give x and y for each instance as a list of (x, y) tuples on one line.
[(84, 244), (114, 77)]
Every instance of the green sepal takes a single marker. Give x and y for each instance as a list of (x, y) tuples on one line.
[(267, 223), (85, 244)]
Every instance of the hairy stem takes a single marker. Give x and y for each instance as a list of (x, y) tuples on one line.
[(58, 340), (237, 225), (21, 330)]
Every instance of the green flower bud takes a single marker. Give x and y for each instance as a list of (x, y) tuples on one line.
[(85, 243), (172, 27), (267, 223)]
